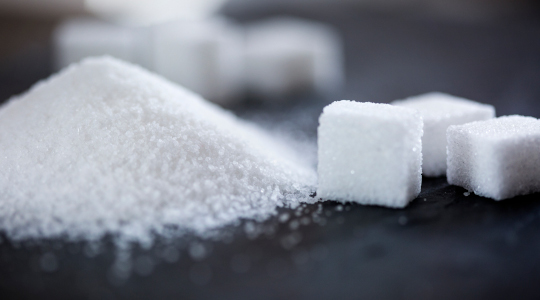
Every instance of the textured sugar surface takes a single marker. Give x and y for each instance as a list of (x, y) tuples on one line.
[(369, 153), (105, 147), (440, 111), (497, 158)]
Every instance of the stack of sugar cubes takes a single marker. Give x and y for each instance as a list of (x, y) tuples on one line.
[(375, 153), (215, 57)]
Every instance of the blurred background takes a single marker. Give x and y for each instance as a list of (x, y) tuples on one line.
[(279, 62), (484, 50)]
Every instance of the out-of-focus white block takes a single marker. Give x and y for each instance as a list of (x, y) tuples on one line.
[(287, 56), (204, 56), (148, 12), (497, 158), (369, 153), (77, 38), (440, 111)]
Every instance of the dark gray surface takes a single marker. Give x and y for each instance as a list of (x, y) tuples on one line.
[(445, 245)]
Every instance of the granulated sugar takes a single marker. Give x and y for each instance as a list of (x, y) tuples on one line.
[(106, 147)]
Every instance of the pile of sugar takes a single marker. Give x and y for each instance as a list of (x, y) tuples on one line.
[(105, 147)]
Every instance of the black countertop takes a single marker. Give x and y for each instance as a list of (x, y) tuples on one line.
[(445, 244)]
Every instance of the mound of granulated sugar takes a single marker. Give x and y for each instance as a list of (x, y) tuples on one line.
[(105, 147)]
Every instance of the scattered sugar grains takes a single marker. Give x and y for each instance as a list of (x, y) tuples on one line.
[(105, 147)]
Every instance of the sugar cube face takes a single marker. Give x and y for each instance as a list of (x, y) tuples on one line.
[(288, 55), (369, 153), (204, 56), (497, 158), (77, 38), (440, 111)]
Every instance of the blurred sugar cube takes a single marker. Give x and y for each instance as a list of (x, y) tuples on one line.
[(369, 153), (497, 158), (214, 57), (146, 12), (77, 38), (287, 56), (440, 111), (204, 56)]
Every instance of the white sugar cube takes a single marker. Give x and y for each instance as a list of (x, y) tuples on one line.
[(289, 56), (497, 158), (204, 56), (369, 153), (440, 111), (145, 12), (77, 38)]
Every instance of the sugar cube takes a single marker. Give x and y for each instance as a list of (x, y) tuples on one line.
[(146, 12), (369, 153), (204, 56), (290, 56), (497, 158), (77, 38), (440, 111)]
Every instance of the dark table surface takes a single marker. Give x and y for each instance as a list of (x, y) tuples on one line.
[(445, 244)]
